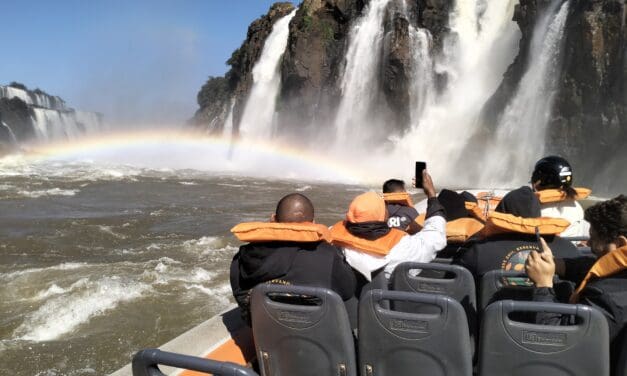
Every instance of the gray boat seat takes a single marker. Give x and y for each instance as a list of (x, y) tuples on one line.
[(301, 331), (621, 363), (395, 343), (513, 285), (509, 347), (450, 280), (146, 363)]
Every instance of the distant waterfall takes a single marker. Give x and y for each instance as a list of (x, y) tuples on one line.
[(48, 118), (422, 88), (481, 45), (12, 137), (521, 135), (34, 98), (227, 131), (258, 118), (359, 83)]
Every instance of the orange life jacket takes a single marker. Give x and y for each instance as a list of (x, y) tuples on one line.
[(605, 266), (401, 198), (548, 196), (458, 230), (498, 223), (274, 231), (382, 246)]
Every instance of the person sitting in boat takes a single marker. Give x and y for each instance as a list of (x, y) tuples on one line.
[(552, 179), (401, 211), (290, 249), (373, 249), (602, 282), (504, 245)]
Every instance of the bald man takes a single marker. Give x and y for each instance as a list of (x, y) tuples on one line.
[(299, 254)]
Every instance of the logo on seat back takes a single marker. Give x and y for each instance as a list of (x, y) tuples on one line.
[(430, 287), (294, 316), (544, 338), (413, 326)]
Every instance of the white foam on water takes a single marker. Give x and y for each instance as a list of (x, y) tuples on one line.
[(63, 266), (48, 192), (220, 293), (55, 289), (108, 230), (187, 183), (63, 314), (303, 188)]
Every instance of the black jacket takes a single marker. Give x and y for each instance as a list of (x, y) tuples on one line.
[(309, 264), (609, 295), (509, 252)]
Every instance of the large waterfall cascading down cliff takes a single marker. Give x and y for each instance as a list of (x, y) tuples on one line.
[(526, 117), (360, 79), (258, 117), (36, 116), (479, 89)]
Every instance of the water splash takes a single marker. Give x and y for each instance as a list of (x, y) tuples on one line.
[(523, 125), (258, 119)]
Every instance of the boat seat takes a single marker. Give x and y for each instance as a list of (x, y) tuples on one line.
[(509, 347), (513, 285), (301, 331), (621, 363), (435, 278), (146, 363), (395, 343)]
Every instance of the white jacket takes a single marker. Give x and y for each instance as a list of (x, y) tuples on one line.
[(420, 247), (571, 211)]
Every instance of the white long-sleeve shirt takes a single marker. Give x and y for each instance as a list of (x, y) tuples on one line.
[(571, 211), (420, 247)]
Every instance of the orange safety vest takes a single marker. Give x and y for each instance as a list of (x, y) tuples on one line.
[(548, 196), (275, 231), (605, 266), (401, 198), (458, 230), (382, 246), (498, 223)]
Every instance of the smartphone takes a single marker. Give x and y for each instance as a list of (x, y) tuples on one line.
[(420, 167), (540, 248)]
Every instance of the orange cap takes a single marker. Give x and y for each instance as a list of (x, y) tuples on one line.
[(367, 207)]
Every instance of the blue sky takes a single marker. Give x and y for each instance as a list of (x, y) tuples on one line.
[(135, 61)]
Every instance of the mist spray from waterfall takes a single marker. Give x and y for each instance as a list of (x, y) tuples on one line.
[(258, 119)]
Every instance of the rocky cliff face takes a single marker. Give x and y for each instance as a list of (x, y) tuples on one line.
[(592, 91)]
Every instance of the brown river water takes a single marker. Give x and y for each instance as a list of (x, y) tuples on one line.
[(98, 261)]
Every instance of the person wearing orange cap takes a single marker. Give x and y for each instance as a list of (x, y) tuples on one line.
[(372, 247)]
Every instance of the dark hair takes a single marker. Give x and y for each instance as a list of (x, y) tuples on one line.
[(294, 207), (393, 185), (609, 218), (570, 192)]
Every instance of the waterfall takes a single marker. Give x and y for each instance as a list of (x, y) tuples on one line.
[(482, 43), (36, 98), (359, 83), (10, 131), (53, 125), (521, 136), (259, 113), (227, 131), (422, 88)]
